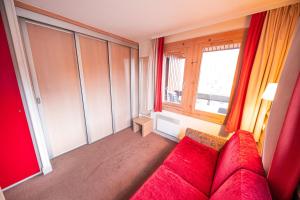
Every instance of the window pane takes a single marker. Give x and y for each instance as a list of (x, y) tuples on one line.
[(216, 77), (174, 73)]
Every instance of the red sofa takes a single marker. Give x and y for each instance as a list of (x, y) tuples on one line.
[(197, 171)]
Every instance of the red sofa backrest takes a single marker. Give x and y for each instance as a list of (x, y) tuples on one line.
[(243, 184), (239, 152)]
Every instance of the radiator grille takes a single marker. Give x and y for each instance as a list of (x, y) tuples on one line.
[(168, 125)]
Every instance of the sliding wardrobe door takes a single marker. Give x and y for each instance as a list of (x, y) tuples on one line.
[(120, 84), (93, 54), (134, 82), (56, 80)]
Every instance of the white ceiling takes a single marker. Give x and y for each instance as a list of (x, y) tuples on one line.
[(144, 19)]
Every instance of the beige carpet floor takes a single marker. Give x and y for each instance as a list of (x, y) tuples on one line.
[(112, 168)]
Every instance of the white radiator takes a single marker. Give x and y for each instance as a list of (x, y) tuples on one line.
[(167, 125)]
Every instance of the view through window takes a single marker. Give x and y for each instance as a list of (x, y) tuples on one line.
[(173, 78), (217, 70)]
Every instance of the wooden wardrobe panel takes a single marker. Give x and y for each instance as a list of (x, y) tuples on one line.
[(135, 82), (94, 57), (120, 80), (56, 71)]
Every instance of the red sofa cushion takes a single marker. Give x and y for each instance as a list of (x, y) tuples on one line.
[(164, 184), (194, 162), (239, 152), (243, 185)]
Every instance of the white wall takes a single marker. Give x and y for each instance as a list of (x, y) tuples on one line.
[(145, 48)]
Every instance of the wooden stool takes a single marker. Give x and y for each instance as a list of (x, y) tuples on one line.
[(142, 122)]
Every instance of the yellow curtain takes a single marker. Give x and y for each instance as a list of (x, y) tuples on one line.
[(272, 50)]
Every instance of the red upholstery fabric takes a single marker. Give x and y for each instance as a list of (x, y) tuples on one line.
[(188, 172), (164, 184), (243, 185), (285, 166), (239, 152), (194, 162)]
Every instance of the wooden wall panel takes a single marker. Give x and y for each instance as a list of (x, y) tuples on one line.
[(94, 57), (56, 72), (120, 80)]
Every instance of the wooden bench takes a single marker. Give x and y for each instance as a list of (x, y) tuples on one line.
[(144, 123)]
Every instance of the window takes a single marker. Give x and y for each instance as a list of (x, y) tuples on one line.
[(217, 69), (199, 74), (173, 77)]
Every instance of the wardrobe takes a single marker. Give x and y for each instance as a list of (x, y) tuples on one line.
[(86, 87)]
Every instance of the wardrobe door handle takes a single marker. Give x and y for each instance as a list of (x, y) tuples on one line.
[(38, 100)]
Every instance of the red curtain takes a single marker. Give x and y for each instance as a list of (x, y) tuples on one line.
[(158, 97), (235, 115), (284, 173)]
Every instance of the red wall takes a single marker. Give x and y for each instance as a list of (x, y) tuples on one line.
[(17, 155)]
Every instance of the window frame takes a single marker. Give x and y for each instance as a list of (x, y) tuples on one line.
[(186, 53), (193, 49)]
